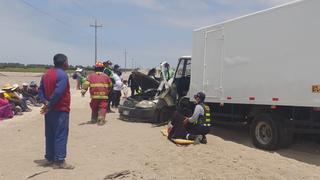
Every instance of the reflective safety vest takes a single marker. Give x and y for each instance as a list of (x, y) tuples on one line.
[(205, 120), (108, 71), (99, 84), (139, 91)]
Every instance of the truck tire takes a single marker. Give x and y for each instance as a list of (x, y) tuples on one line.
[(264, 132)]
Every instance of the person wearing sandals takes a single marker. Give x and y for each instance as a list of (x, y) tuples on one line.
[(54, 92)]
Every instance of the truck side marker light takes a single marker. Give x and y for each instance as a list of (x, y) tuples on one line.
[(275, 99), (229, 98), (252, 98), (316, 108)]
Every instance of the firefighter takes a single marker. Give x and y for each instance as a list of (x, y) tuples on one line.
[(99, 84), (200, 122)]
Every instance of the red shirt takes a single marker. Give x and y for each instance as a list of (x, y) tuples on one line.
[(55, 89)]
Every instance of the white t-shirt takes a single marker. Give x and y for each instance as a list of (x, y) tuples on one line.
[(118, 83)]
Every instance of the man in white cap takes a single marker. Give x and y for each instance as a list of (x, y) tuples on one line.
[(17, 91), (28, 96)]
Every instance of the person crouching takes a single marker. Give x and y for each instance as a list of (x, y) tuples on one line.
[(200, 122), (99, 84)]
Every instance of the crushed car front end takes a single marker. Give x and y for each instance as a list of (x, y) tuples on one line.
[(132, 108)]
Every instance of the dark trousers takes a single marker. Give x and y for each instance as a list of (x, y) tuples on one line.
[(22, 103), (56, 131), (110, 100), (116, 95), (178, 131), (31, 99), (198, 129)]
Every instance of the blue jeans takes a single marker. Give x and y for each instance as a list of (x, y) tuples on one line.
[(56, 131)]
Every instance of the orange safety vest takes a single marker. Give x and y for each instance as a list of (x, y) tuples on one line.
[(100, 85)]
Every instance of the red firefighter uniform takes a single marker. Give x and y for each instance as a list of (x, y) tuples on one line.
[(99, 84)]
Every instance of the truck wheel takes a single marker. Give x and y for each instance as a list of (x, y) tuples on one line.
[(264, 132)]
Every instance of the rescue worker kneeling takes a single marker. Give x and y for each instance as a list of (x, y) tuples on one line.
[(200, 122), (99, 84), (195, 127)]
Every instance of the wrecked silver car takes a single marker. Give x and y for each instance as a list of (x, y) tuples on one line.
[(146, 106)]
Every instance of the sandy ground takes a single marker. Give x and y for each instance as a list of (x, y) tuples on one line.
[(140, 148)]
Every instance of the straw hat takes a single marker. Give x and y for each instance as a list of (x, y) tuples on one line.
[(7, 87), (24, 84), (15, 86)]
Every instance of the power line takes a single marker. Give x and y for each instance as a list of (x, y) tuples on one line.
[(77, 4), (43, 12), (69, 26)]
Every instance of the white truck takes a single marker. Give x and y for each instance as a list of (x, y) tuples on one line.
[(261, 69)]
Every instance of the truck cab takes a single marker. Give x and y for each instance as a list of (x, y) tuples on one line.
[(181, 82)]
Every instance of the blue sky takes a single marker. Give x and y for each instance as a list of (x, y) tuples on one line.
[(150, 30)]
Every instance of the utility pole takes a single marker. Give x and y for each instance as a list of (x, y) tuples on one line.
[(125, 58), (132, 64), (96, 26)]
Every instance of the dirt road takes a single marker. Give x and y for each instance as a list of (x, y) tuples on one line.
[(97, 151)]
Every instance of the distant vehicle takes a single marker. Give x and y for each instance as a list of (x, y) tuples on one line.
[(261, 70)]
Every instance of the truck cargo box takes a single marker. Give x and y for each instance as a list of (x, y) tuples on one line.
[(271, 57)]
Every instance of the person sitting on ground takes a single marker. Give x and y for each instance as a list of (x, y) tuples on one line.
[(200, 122), (7, 93), (33, 88), (18, 92), (28, 96), (5, 107), (34, 91), (13, 98)]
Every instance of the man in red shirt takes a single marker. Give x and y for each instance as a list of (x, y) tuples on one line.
[(54, 92)]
